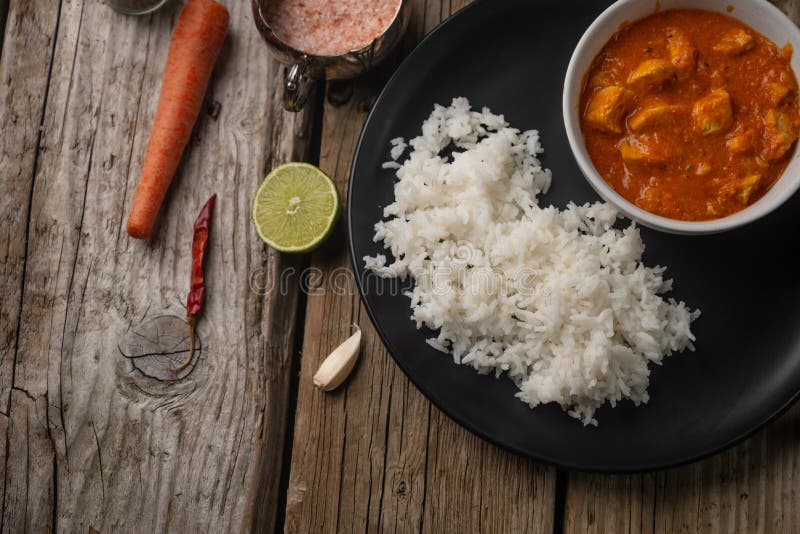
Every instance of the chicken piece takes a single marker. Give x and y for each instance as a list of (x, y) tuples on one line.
[(682, 53), (607, 108), (735, 43), (652, 73), (713, 113), (657, 114), (780, 133), (741, 141), (637, 151), (746, 187), (777, 92)]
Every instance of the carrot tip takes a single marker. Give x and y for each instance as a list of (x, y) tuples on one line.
[(137, 232)]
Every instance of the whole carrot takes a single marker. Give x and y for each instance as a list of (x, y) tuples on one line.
[(196, 42)]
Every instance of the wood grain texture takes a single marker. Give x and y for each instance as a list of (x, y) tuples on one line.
[(376, 456), (89, 442), (23, 86), (753, 487), (274, 279)]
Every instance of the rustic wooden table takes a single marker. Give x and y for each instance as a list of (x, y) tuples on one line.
[(95, 441)]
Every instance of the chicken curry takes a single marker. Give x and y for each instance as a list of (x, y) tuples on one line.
[(690, 114)]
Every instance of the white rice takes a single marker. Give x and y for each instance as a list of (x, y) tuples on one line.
[(558, 299)]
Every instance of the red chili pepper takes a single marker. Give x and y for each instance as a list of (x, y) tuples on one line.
[(194, 302)]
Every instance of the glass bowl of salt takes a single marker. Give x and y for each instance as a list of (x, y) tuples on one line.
[(319, 39)]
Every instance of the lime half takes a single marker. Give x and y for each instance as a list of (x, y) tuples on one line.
[(295, 208)]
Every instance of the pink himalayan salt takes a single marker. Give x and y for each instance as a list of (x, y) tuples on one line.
[(330, 27)]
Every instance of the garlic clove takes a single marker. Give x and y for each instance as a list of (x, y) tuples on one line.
[(339, 364)]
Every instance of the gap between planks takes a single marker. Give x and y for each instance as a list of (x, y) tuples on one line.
[(3, 15)]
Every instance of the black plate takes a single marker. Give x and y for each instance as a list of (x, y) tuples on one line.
[(512, 55)]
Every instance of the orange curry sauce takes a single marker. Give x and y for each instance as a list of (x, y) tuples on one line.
[(690, 114)]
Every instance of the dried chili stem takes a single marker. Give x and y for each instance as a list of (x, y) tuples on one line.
[(191, 320)]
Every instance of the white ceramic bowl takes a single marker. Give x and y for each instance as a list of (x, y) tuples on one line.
[(758, 14)]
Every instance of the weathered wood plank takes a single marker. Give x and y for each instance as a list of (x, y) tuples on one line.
[(377, 456), (30, 26), (290, 134), (321, 437), (92, 442), (476, 487), (751, 488)]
